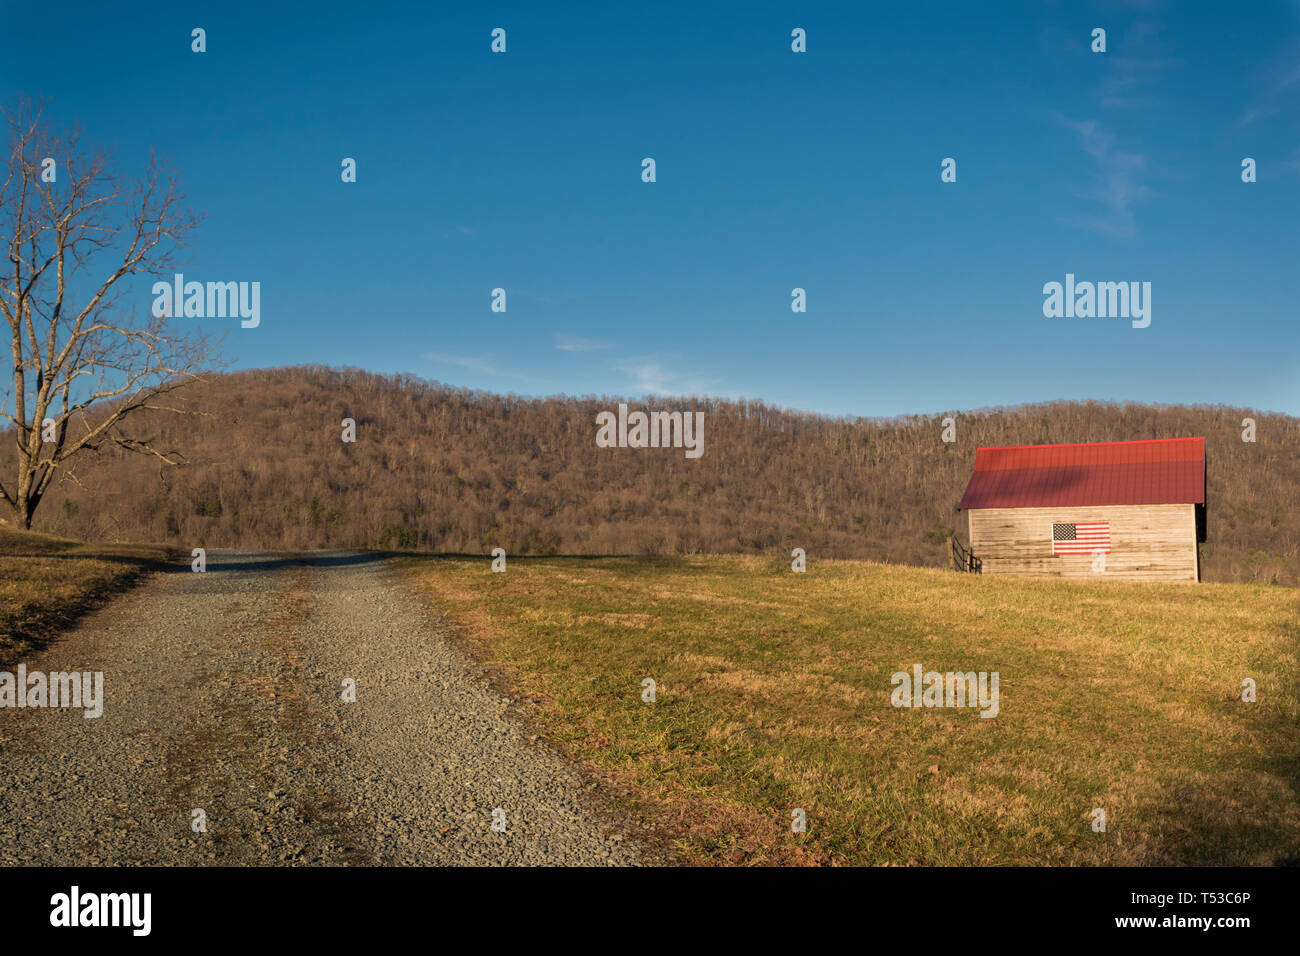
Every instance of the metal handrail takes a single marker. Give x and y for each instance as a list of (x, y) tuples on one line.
[(963, 559)]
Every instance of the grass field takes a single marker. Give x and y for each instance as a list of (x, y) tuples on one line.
[(773, 693), (46, 583)]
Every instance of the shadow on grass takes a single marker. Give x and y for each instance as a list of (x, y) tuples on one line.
[(258, 562), (250, 562), (663, 560), (34, 626)]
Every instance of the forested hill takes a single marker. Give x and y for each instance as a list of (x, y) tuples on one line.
[(447, 469)]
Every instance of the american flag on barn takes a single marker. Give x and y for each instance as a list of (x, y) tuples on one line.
[(1081, 538)]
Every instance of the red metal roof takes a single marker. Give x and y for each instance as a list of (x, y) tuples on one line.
[(1155, 472)]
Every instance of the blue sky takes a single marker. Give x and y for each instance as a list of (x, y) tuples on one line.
[(775, 170)]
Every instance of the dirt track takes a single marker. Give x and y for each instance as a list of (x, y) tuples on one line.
[(222, 693)]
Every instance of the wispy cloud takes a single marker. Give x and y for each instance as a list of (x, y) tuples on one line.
[(1275, 82), (1137, 60), (649, 377), (1254, 113), (463, 361), (1116, 186), (575, 343), (483, 366), (1131, 82)]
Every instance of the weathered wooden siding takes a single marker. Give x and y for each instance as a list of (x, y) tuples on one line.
[(1147, 542)]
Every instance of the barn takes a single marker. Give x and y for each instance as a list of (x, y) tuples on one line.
[(1133, 510)]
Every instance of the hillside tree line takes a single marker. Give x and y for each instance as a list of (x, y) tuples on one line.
[(447, 469)]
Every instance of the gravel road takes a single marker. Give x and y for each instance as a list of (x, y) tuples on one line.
[(223, 694)]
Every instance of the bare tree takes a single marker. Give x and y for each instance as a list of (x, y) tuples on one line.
[(84, 366)]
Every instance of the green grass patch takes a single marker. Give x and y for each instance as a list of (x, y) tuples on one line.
[(774, 694)]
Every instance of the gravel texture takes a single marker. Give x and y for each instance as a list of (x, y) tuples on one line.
[(223, 693)]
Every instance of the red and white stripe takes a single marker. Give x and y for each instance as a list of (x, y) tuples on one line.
[(1090, 537)]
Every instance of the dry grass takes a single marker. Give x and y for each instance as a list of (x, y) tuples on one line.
[(46, 583), (774, 693)]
